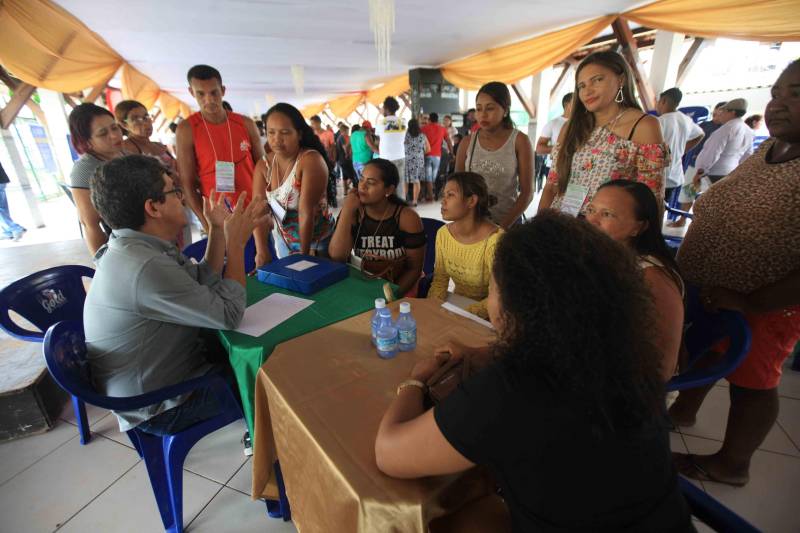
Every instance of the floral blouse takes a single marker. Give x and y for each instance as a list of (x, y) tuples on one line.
[(605, 156)]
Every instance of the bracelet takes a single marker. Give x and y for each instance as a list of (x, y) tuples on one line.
[(412, 383)]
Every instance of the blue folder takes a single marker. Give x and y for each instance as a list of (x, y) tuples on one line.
[(303, 273)]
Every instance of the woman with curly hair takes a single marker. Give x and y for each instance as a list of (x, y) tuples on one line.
[(568, 413)]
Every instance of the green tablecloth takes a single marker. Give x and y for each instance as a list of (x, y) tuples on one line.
[(341, 300)]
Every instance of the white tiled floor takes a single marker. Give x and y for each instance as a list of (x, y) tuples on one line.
[(50, 482)]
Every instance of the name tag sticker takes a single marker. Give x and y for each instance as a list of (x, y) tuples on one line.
[(225, 176), (573, 199)]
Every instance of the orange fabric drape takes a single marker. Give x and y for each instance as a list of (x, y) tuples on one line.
[(344, 105), (511, 63), (137, 86), (313, 109), (45, 46), (754, 20), (391, 87)]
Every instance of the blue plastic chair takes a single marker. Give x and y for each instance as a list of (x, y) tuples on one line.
[(44, 298), (703, 330), (197, 250), (431, 226), (711, 512), (65, 355), (698, 114), (673, 241)]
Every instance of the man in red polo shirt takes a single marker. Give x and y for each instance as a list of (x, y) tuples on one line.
[(217, 149), (436, 134)]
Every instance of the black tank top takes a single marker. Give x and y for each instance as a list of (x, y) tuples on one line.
[(383, 238)]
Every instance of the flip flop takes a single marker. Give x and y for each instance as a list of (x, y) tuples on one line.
[(691, 469)]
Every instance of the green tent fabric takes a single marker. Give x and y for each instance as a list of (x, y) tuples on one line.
[(349, 297)]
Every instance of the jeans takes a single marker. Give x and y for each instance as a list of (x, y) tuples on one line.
[(203, 403), (401, 170), (8, 226), (431, 167), (359, 168)]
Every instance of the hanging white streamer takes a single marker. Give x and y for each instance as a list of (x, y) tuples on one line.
[(298, 79), (381, 22)]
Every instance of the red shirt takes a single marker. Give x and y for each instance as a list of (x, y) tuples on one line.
[(435, 133), (216, 140)]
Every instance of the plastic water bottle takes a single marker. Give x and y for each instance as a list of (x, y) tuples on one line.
[(406, 328), (380, 303), (386, 337)]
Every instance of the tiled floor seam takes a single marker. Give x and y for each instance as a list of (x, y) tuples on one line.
[(61, 525), (759, 449), (796, 444), (685, 445), (39, 459), (189, 525)]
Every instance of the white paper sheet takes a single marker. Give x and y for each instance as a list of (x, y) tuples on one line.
[(302, 265), (457, 310), (262, 316)]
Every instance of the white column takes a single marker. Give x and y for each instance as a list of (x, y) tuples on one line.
[(667, 55), (464, 99), (21, 175), (53, 107), (541, 85)]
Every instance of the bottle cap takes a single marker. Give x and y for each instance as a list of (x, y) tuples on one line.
[(405, 307), (385, 312), (380, 303)]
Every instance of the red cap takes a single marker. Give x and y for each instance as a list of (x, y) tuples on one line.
[(366, 124)]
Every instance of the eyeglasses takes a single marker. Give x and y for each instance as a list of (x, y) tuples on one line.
[(140, 120), (177, 191)]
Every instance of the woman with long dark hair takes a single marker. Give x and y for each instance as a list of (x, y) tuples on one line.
[(500, 153), (607, 137), (627, 212), (376, 226), (137, 125), (570, 405), (95, 135), (296, 180)]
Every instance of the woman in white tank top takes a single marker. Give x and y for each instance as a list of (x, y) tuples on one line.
[(499, 153)]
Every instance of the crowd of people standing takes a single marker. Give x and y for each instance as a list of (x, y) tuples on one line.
[(611, 168)]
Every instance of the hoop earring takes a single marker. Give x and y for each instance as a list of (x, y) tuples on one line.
[(620, 97)]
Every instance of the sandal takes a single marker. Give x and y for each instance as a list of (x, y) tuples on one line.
[(687, 465)]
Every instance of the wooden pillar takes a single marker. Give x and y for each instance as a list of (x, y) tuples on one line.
[(690, 58), (631, 53), (22, 92)]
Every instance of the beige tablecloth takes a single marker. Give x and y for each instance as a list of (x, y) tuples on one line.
[(319, 401)]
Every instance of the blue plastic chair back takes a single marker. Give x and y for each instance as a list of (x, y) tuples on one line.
[(431, 226), (197, 250), (697, 113), (65, 355), (44, 298), (702, 331), (711, 512)]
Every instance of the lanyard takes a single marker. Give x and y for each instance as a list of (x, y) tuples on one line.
[(230, 136)]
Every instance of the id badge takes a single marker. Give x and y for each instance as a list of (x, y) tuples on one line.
[(573, 199), (355, 261), (225, 177)]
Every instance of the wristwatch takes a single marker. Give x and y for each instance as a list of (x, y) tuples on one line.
[(412, 383)]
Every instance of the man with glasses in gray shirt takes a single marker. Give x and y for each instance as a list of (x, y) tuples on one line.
[(148, 305)]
